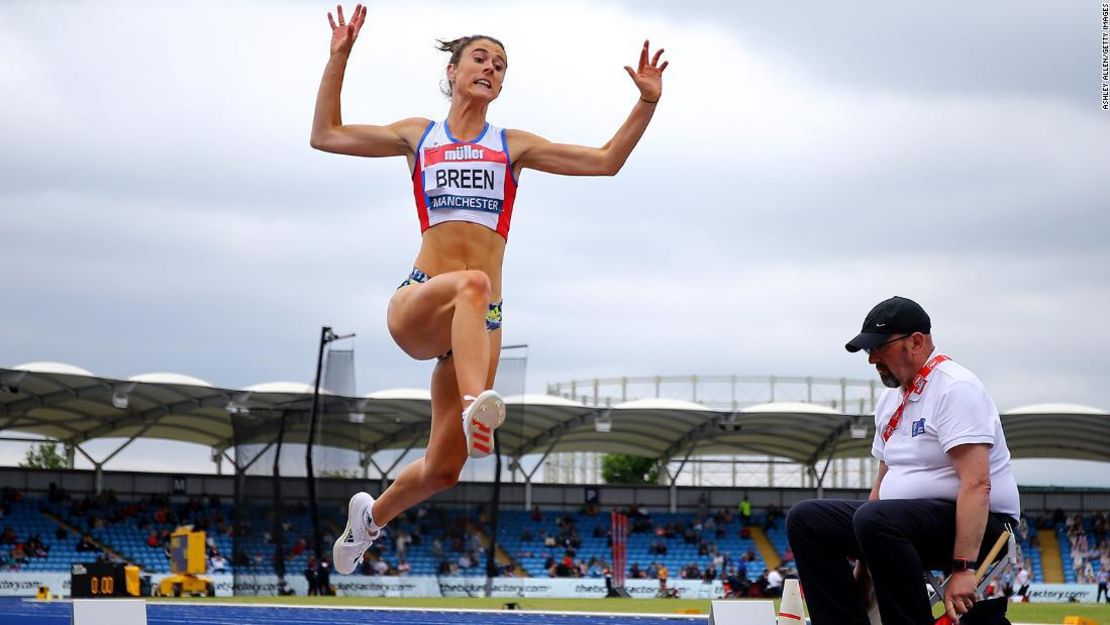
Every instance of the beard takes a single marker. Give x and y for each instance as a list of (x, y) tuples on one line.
[(888, 379)]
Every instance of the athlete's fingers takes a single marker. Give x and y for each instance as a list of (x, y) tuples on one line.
[(361, 20), (655, 59), (663, 66), (631, 72), (339, 11), (643, 56), (331, 20)]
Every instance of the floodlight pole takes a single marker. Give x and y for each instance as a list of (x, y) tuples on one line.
[(326, 336)]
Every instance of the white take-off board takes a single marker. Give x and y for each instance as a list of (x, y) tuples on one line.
[(109, 612), (741, 612)]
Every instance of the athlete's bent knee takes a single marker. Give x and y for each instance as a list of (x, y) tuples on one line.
[(441, 478), (474, 285)]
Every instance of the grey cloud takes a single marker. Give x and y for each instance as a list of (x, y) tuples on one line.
[(210, 240), (1019, 48)]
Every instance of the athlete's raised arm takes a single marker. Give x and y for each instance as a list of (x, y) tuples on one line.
[(535, 152), (328, 131)]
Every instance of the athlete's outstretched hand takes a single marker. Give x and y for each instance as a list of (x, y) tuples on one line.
[(343, 34), (648, 76)]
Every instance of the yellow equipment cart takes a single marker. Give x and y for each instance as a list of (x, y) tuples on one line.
[(188, 566)]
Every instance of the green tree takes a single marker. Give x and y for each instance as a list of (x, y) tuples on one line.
[(626, 469), (44, 456)]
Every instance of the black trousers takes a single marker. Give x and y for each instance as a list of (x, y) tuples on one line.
[(898, 539)]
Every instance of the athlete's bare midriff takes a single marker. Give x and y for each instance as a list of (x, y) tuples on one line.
[(461, 245)]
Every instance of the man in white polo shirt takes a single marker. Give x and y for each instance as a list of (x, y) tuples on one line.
[(943, 494)]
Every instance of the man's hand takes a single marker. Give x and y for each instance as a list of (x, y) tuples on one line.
[(960, 594)]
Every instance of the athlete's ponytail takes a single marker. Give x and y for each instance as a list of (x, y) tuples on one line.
[(456, 47)]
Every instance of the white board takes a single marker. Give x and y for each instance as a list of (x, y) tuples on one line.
[(742, 612), (113, 611)]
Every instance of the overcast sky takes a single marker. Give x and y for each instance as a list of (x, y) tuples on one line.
[(162, 210)]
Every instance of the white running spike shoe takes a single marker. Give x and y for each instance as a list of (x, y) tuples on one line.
[(357, 537), (484, 415)]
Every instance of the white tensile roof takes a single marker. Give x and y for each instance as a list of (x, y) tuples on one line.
[(70, 404)]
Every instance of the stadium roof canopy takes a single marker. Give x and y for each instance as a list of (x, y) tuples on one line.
[(71, 405)]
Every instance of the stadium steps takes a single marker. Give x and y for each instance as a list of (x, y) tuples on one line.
[(1052, 566), (501, 557), (101, 545), (766, 549)]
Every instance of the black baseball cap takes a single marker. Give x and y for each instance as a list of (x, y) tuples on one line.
[(897, 315)]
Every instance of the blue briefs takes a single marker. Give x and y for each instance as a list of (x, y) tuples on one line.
[(493, 314)]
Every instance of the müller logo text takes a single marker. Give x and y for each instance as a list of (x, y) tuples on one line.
[(463, 153)]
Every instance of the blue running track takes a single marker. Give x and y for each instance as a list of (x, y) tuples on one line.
[(15, 611)]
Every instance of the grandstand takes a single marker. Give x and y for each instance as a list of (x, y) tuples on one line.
[(701, 542)]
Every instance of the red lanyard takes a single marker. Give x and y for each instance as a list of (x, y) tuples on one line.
[(917, 387)]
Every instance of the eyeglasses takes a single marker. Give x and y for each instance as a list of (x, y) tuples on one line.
[(868, 350)]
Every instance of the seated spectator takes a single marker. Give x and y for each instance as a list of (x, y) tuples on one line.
[(739, 585), (8, 536), (86, 544), (36, 548), (759, 587), (381, 567), (709, 575), (774, 583), (403, 566), (19, 554), (217, 563), (691, 571), (596, 568), (298, 548)]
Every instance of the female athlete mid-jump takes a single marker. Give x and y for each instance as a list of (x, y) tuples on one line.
[(464, 178)]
